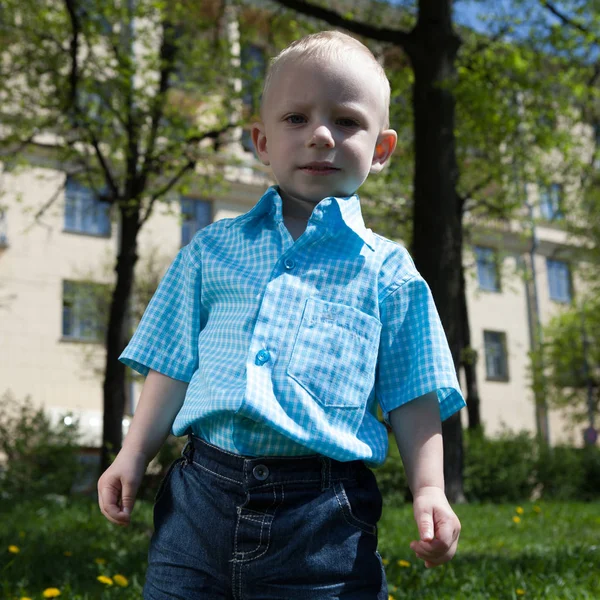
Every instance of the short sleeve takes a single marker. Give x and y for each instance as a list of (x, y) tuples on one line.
[(414, 356), (166, 339)]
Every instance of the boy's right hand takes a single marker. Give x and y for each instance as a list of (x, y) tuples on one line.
[(118, 486)]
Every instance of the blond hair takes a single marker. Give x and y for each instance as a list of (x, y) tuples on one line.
[(325, 45)]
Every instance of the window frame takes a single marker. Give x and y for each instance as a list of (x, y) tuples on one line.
[(504, 375), (186, 237), (78, 199), (551, 206), (489, 261), (569, 281), (72, 313)]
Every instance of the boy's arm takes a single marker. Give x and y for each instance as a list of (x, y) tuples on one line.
[(418, 432), (160, 401)]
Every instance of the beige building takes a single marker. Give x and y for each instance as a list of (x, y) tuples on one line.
[(51, 349)]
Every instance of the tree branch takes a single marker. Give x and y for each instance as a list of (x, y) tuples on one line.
[(382, 34), (566, 20), (168, 53)]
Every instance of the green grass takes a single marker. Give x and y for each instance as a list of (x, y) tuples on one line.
[(553, 554)]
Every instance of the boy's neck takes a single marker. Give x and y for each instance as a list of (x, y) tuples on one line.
[(296, 208)]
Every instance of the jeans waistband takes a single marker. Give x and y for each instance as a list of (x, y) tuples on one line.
[(255, 471)]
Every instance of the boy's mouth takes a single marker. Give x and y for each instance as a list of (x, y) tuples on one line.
[(319, 168)]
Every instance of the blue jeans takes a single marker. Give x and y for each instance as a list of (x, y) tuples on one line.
[(266, 528)]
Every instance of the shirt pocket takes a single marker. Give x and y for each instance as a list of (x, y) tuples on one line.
[(335, 353)]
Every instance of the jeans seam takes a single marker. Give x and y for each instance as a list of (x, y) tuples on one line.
[(244, 555), (216, 474), (358, 522)]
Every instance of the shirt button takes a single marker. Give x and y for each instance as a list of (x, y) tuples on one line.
[(261, 472), (289, 263), (262, 357)]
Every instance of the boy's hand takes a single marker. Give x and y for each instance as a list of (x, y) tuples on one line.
[(118, 486), (439, 527)]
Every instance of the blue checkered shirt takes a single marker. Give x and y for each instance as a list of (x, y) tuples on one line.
[(287, 346)]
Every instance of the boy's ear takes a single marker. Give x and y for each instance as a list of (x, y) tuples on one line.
[(386, 144), (259, 139)]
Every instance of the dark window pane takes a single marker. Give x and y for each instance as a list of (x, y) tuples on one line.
[(85, 310), (195, 215), (559, 280), (84, 213), (487, 269), (496, 360), (551, 201)]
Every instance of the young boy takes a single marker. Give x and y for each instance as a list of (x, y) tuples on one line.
[(270, 342)]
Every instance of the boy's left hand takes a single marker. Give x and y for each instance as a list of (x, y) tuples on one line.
[(439, 527)]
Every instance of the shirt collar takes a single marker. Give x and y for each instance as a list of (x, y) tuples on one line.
[(334, 211)]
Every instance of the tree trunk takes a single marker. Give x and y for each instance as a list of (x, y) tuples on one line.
[(469, 361), (437, 226), (117, 336)]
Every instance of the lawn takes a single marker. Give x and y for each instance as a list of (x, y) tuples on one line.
[(545, 551)]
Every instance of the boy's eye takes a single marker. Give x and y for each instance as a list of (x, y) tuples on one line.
[(346, 122), (295, 119)]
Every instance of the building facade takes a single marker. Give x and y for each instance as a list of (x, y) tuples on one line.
[(56, 264)]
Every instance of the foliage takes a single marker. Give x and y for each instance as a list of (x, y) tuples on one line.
[(549, 553), (130, 99), (391, 477), (158, 467), (501, 469), (566, 473), (40, 456), (571, 359)]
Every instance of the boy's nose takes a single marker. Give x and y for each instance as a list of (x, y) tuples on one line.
[(322, 137)]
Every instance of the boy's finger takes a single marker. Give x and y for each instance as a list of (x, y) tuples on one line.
[(425, 525), (447, 532), (128, 498)]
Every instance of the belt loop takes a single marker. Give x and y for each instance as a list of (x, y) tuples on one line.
[(188, 449), (325, 473)]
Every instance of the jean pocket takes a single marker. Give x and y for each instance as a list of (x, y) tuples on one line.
[(360, 504), (335, 353), (163, 484)]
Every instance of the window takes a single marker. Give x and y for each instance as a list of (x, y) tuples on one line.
[(496, 360), (559, 280), (3, 229), (84, 212), (85, 310), (487, 269), (551, 201), (196, 214)]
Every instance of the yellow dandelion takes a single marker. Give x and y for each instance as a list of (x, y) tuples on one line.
[(51, 593), (385, 561), (121, 580), (24, 598), (516, 519), (68, 553), (100, 561), (519, 510), (537, 509), (14, 549), (520, 592), (104, 579), (403, 563), (390, 597)]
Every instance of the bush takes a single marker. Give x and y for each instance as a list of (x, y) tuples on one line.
[(501, 469), (391, 478), (39, 457), (567, 473)]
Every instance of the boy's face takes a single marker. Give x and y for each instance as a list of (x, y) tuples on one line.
[(322, 127)]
